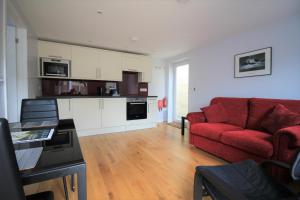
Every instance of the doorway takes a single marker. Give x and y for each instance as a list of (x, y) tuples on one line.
[(181, 87)]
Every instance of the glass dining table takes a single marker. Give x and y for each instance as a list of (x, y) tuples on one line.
[(61, 156)]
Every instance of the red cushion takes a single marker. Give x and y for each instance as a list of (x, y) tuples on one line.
[(259, 108), (212, 130), (215, 113), (279, 118), (255, 142), (237, 109)]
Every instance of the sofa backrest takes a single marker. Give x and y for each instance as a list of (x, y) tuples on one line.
[(259, 108), (237, 109)]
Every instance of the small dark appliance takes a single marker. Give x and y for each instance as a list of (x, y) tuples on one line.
[(136, 108)]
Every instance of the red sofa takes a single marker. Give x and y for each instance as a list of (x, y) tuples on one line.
[(242, 137)]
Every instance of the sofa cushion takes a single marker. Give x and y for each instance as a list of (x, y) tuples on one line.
[(212, 130), (237, 109), (215, 113), (251, 141), (279, 118), (259, 108)]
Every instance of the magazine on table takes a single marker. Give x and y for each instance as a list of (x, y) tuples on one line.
[(32, 135), (28, 125)]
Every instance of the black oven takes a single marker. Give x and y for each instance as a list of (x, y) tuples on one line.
[(136, 108)]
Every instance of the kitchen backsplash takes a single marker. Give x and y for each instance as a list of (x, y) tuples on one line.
[(57, 87), (62, 87)]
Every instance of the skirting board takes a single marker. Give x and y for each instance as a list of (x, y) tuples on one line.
[(88, 132)]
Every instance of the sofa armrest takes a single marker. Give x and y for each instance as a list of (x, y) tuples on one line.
[(286, 143), (195, 117)]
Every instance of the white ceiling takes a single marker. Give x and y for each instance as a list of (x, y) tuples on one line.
[(164, 28)]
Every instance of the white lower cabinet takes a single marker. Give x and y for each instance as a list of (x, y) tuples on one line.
[(86, 113), (104, 115), (152, 110), (113, 112), (64, 109)]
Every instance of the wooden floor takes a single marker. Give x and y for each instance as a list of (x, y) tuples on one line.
[(155, 163)]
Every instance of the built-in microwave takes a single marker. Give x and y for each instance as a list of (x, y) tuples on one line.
[(55, 67)]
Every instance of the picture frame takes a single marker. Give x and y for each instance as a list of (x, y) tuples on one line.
[(253, 63)]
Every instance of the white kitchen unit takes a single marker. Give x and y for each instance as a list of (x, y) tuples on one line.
[(110, 67), (146, 69), (152, 110), (131, 62), (113, 110), (104, 115), (97, 64), (64, 108), (85, 63), (54, 50), (86, 113)]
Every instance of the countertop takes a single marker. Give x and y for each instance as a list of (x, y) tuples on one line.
[(93, 96)]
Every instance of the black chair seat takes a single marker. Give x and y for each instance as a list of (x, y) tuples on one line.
[(243, 180), (41, 196)]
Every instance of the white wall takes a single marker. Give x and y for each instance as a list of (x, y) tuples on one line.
[(212, 67), (16, 17), (3, 110), (22, 81), (157, 87)]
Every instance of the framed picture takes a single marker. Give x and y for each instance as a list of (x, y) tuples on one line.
[(253, 63)]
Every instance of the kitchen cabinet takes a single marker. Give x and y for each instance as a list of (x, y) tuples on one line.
[(97, 64), (146, 69), (131, 62), (85, 63), (54, 50), (104, 115), (64, 109), (113, 112), (110, 67), (86, 113), (152, 110)]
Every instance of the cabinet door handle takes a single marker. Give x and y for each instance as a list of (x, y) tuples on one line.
[(102, 103), (69, 105)]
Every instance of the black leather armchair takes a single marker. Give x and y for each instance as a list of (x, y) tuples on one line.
[(243, 181)]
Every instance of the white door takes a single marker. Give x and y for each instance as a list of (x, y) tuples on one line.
[(86, 113), (113, 112), (85, 62), (64, 108), (11, 73), (181, 90)]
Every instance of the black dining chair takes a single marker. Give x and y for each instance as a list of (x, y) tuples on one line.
[(11, 187), (43, 109), (245, 180)]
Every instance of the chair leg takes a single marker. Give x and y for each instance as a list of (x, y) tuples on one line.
[(66, 188), (72, 183), (198, 186)]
